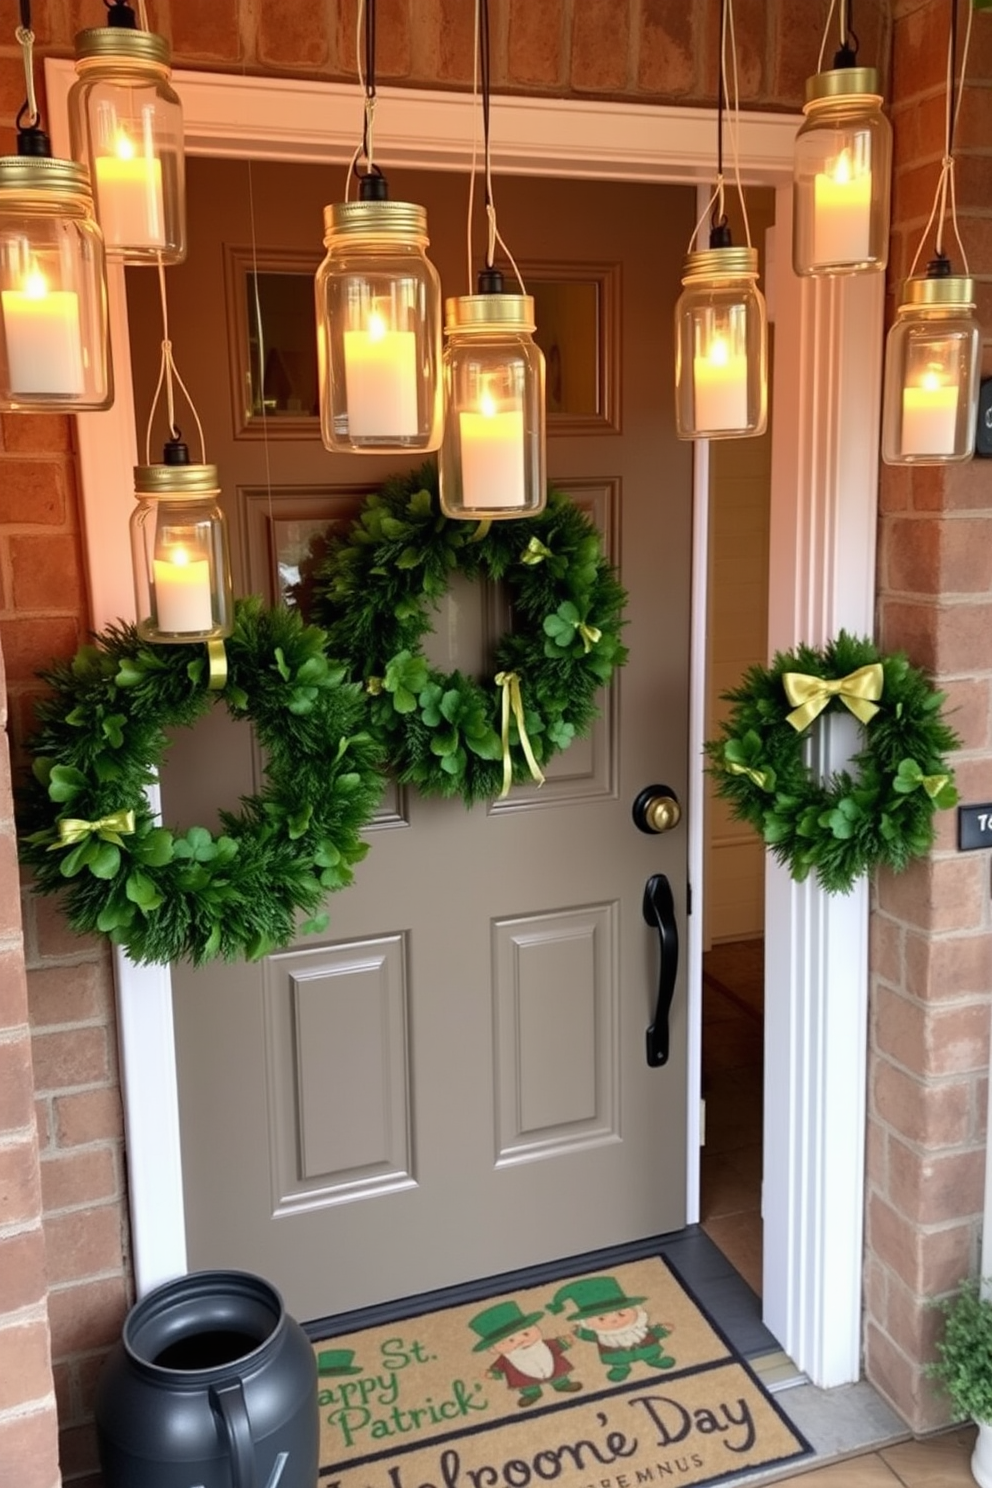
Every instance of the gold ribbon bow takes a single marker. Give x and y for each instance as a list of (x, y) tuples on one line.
[(812, 694), (512, 701), (760, 777), (535, 552), (590, 635), (217, 662), (73, 829), (934, 784)]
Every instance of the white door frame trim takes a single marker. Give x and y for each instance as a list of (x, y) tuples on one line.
[(817, 946)]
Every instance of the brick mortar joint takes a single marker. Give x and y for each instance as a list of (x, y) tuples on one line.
[(31, 1312), (39, 1406)]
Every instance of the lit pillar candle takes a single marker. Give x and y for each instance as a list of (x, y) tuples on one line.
[(182, 593), (129, 197), (44, 345), (380, 369), (492, 448), (719, 384), (929, 417), (841, 214)]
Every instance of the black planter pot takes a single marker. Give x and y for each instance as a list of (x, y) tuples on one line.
[(213, 1385)]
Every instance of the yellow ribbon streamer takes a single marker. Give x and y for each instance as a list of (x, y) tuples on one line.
[(482, 531), (535, 552), (590, 635), (760, 777), (73, 829), (512, 701), (934, 784), (217, 657), (812, 694)]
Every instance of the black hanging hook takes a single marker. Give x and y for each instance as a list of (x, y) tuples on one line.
[(119, 13), (719, 230), (847, 54)]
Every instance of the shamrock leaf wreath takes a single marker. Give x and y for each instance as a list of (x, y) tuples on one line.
[(374, 592), (843, 827), (167, 895)]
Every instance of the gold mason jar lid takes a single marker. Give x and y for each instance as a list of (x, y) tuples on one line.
[(842, 82), (181, 482), (720, 263), (29, 173), (951, 291), (374, 219), (484, 312), (121, 44)]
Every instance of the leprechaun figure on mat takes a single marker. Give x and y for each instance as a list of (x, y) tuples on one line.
[(522, 1355), (618, 1325)]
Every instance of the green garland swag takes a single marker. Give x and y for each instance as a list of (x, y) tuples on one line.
[(374, 590), (168, 895), (849, 824)]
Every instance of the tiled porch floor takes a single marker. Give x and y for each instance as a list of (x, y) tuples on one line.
[(939, 1462)]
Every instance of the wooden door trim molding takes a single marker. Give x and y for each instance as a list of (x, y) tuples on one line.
[(812, 1288)]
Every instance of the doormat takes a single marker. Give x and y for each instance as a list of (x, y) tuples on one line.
[(612, 1378)]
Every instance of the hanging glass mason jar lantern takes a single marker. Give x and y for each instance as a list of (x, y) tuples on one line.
[(54, 349), (378, 327), (179, 548), (721, 338), (932, 363), (126, 125), (492, 461), (842, 175)]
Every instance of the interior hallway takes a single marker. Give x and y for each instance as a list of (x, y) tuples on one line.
[(733, 1068)]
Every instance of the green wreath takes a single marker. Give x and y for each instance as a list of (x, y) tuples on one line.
[(845, 826), (167, 895), (374, 590)]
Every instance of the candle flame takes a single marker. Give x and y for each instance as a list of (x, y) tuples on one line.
[(124, 146), (487, 405), (179, 556), (931, 380), (719, 352), (843, 172), (35, 285), (377, 326)]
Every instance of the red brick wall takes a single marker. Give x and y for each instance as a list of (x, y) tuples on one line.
[(931, 963), (28, 1427), (930, 979)]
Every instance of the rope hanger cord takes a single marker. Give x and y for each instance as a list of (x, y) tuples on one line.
[(946, 192), (166, 372), (714, 208), (365, 48), (481, 76), (28, 115)]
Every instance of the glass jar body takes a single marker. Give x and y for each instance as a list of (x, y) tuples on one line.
[(55, 346), (378, 304), (126, 127), (493, 462), (182, 571), (842, 184), (930, 393), (721, 340)]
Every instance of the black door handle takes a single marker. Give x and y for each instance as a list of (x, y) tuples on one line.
[(659, 910)]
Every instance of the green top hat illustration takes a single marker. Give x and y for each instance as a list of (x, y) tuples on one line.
[(592, 1296), (337, 1361), (498, 1322)]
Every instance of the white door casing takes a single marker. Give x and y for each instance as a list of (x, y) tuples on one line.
[(827, 381)]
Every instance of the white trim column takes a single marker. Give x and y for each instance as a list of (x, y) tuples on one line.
[(822, 565)]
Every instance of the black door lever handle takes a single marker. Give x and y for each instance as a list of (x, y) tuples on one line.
[(659, 910)]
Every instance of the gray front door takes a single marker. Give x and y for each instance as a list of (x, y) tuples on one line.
[(451, 1081)]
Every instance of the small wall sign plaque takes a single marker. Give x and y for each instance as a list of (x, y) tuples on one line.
[(974, 827)]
